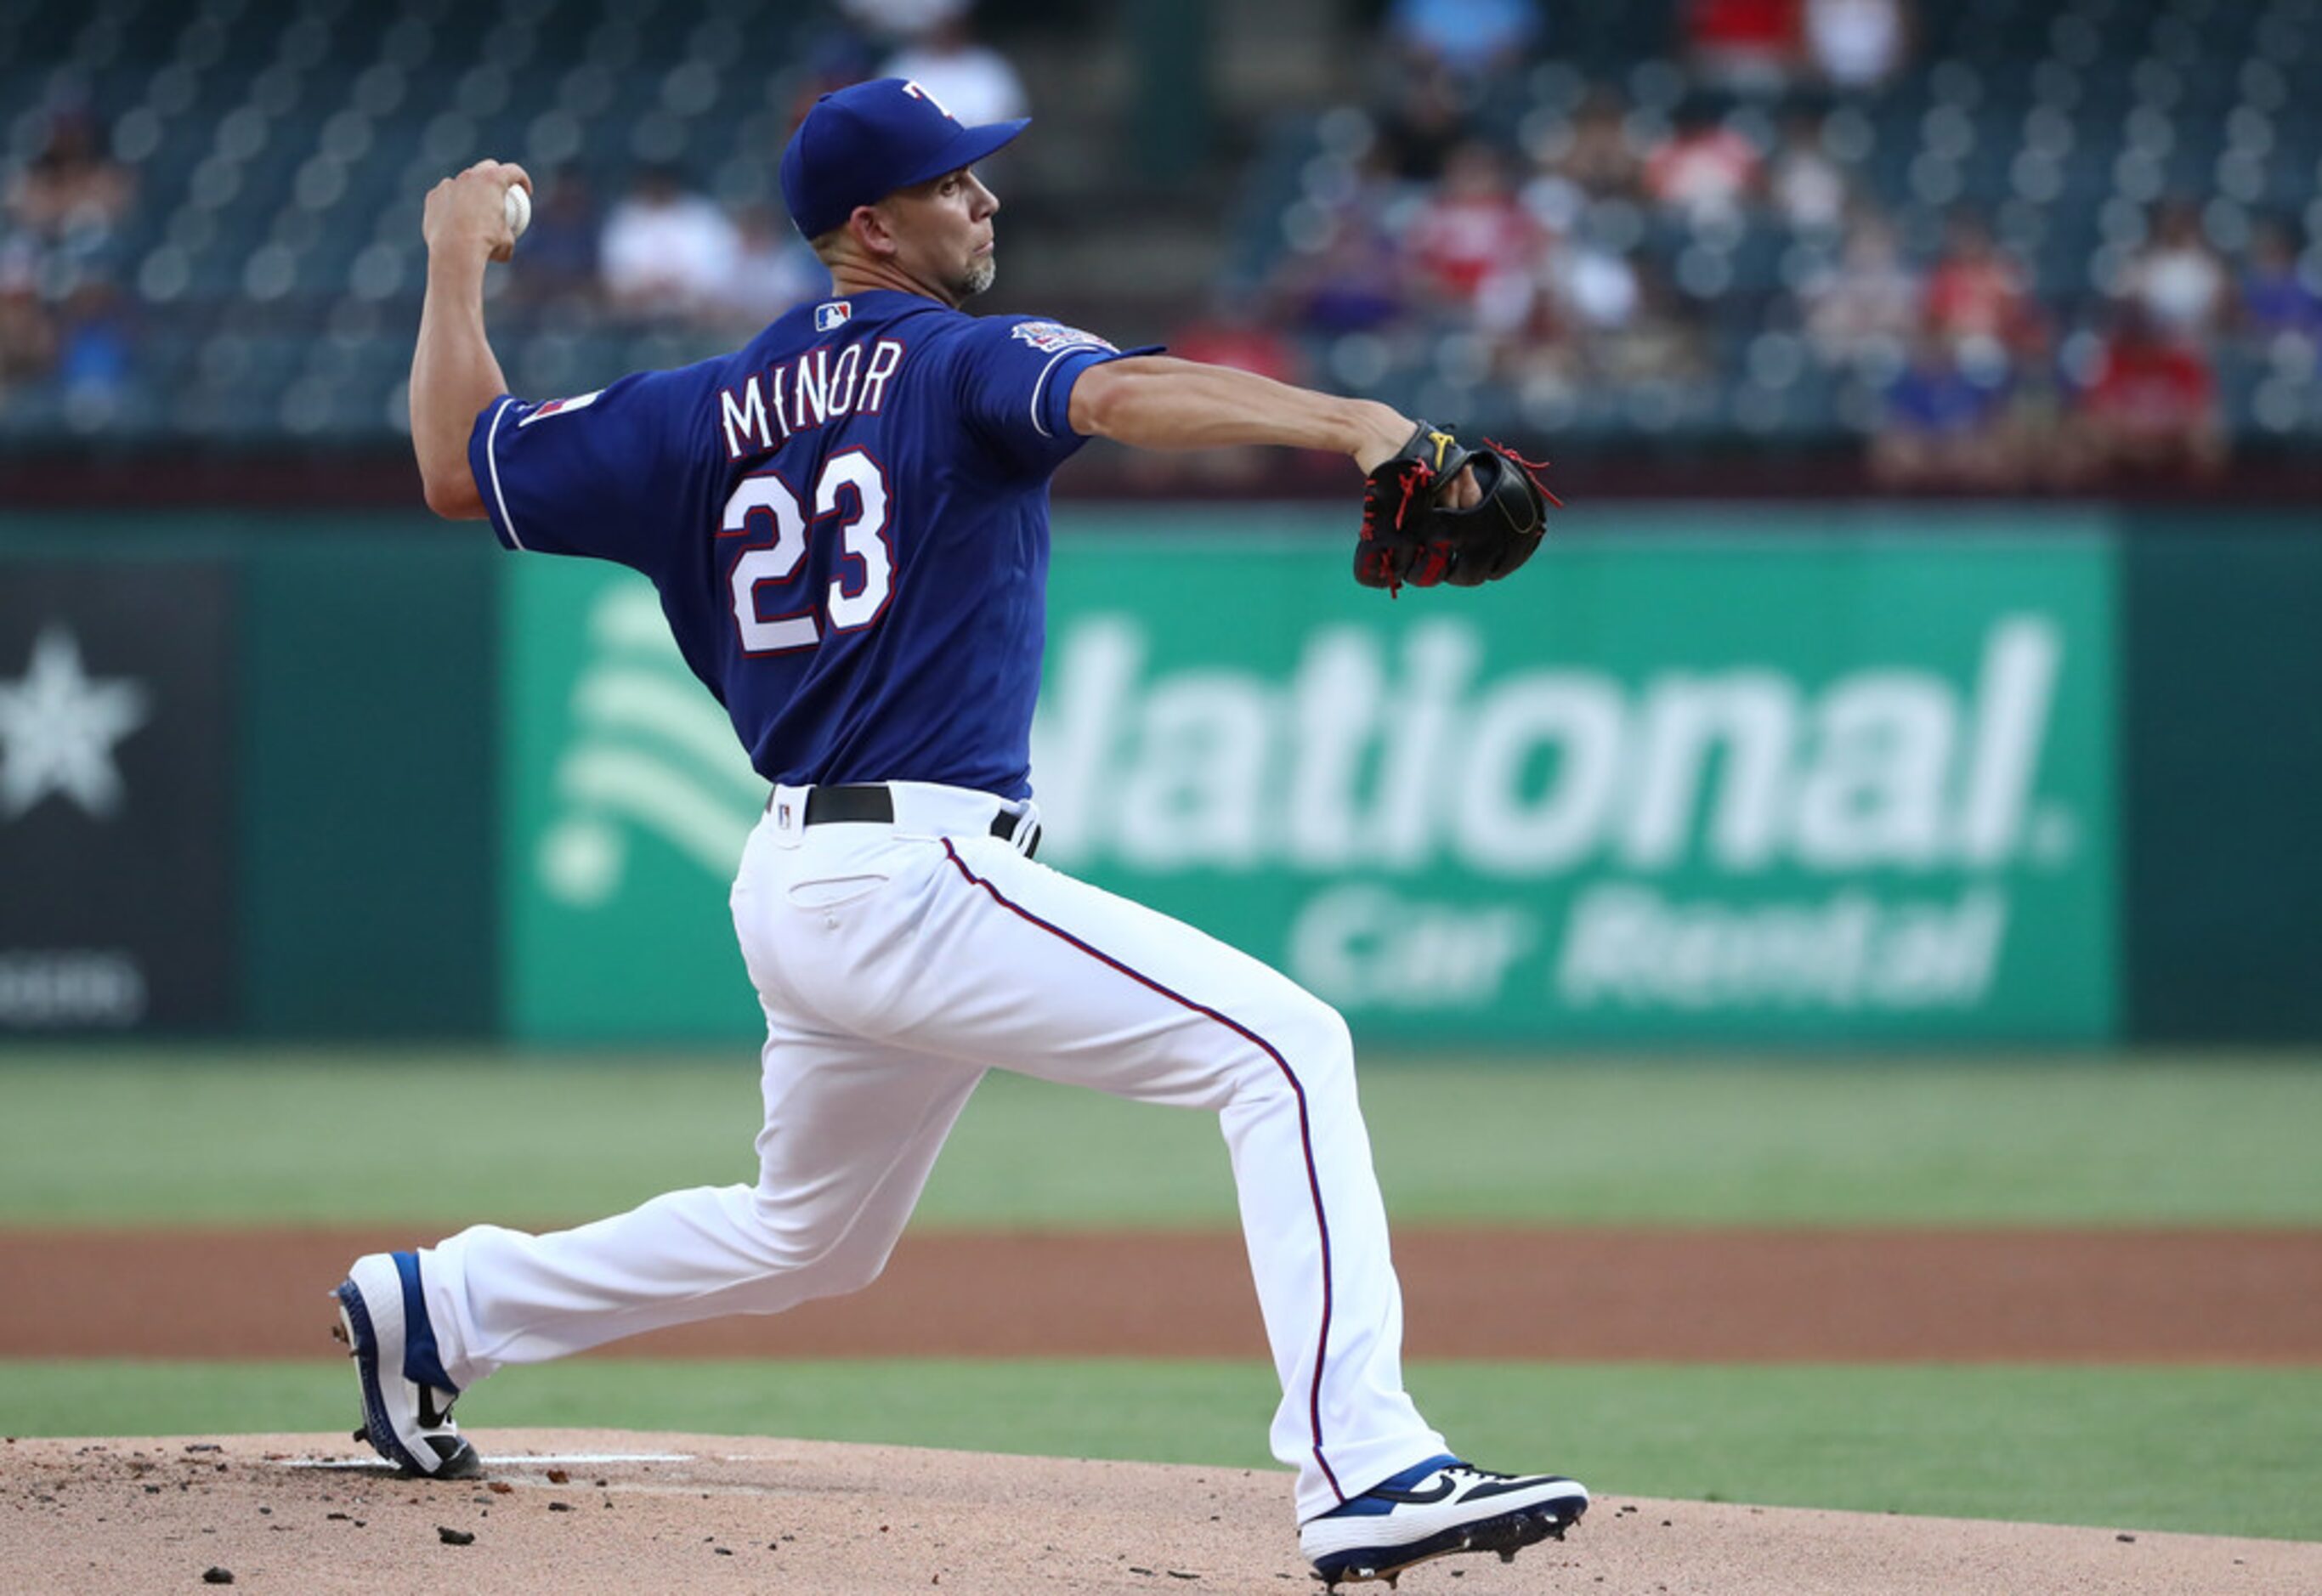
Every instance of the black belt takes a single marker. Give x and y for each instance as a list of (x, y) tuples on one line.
[(871, 803)]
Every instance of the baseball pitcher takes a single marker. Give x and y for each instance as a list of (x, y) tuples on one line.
[(847, 523)]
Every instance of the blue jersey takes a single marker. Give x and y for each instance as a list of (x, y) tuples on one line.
[(848, 522)]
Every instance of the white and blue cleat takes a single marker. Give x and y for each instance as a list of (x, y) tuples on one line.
[(406, 1397), (1434, 1509)]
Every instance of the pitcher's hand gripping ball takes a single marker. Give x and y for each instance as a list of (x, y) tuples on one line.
[(1412, 534)]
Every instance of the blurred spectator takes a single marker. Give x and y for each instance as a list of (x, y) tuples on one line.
[(901, 20), (1602, 161), (2180, 280), (2277, 295), (1473, 245), (1602, 316), (1747, 46), (2034, 419), (830, 56), (1856, 45), (560, 249), (1633, 327), (73, 195), (1233, 331), (1593, 290), (1703, 168), (1470, 39), (94, 353), (1805, 185), (1354, 282), (1426, 122), (1871, 300), (2153, 405), (28, 341), (773, 269), (973, 81), (1978, 292), (1583, 161), (1938, 428), (666, 254)]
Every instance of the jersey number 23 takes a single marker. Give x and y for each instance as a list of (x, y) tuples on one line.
[(764, 506)]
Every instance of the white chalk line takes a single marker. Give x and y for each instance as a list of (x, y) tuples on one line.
[(542, 1460)]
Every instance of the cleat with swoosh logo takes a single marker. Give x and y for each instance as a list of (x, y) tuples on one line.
[(1437, 1509), (406, 1397)]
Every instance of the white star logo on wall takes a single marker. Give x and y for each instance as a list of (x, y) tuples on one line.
[(58, 727)]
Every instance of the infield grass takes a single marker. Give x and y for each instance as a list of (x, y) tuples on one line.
[(2228, 1452), (217, 1137)]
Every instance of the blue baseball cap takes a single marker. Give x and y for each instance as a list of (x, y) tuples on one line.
[(861, 143)]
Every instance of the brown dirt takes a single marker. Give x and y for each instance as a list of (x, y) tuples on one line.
[(716, 1513), (1720, 1295)]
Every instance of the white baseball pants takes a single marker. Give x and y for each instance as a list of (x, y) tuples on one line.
[(896, 964)]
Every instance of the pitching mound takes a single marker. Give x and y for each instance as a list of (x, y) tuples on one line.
[(580, 1510)]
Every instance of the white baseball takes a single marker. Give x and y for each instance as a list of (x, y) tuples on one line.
[(519, 210)]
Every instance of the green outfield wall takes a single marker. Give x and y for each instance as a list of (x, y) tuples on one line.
[(2222, 694), (1797, 775), (357, 811)]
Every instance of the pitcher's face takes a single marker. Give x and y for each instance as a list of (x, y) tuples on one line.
[(944, 233)]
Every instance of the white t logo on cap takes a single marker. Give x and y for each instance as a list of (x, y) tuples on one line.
[(911, 87)]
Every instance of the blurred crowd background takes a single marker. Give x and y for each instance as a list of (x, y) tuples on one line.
[(1981, 245)]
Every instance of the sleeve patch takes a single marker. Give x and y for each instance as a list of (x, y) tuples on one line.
[(560, 407), (1052, 337)]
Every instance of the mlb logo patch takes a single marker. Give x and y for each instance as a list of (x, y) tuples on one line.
[(833, 315), (1049, 337)]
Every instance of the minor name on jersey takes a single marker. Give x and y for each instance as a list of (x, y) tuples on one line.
[(801, 394)]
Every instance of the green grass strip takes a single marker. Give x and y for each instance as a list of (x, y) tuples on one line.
[(2220, 1451), (87, 1137)]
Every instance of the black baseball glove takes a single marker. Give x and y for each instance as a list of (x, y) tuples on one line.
[(1410, 535)]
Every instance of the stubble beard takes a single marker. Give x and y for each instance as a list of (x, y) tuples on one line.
[(978, 278)]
